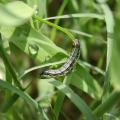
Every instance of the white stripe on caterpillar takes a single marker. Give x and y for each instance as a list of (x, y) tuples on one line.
[(67, 67)]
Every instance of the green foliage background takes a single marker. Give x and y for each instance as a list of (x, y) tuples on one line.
[(38, 34)]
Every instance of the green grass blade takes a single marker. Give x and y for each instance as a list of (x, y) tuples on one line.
[(53, 33), (88, 65), (107, 104), (8, 65), (77, 15), (80, 104), (13, 89), (12, 13), (17, 92), (58, 104), (8, 104), (81, 79), (60, 98), (110, 29), (75, 5), (56, 26)]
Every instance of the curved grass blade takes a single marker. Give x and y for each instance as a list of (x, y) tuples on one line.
[(109, 19)]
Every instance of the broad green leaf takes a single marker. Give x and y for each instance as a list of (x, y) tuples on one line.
[(42, 4), (32, 3), (40, 10), (37, 46), (15, 13), (40, 36), (7, 31), (84, 81), (80, 104)]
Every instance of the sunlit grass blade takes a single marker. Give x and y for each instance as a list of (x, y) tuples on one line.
[(77, 15)]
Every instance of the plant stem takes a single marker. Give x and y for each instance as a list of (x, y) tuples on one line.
[(56, 26)]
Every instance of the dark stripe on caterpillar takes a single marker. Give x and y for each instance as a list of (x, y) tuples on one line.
[(67, 67)]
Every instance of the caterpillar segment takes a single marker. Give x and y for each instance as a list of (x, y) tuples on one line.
[(67, 66)]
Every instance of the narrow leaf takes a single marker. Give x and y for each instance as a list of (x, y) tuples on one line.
[(80, 104)]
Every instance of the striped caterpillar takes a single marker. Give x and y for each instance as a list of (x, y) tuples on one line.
[(67, 67)]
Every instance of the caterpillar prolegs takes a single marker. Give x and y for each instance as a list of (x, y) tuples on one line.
[(67, 66)]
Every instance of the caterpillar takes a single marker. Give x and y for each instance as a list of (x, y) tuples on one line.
[(67, 66)]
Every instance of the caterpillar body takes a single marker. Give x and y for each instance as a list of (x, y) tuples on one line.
[(68, 66)]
